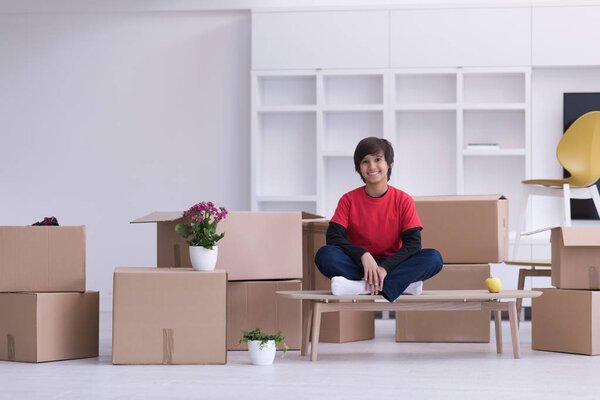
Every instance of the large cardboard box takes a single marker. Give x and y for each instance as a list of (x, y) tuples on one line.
[(339, 326), (255, 304), (465, 229), (42, 258), (448, 326), (38, 327), (169, 316), (257, 245), (576, 257), (566, 321)]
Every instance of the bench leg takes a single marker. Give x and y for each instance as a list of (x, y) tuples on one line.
[(316, 326), (520, 286), (514, 328), (498, 323), (307, 310)]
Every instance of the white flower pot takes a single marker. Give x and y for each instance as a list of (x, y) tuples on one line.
[(203, 259), (264, 355)]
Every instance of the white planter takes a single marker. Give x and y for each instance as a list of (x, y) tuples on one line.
[(203, 259), (264, 356)]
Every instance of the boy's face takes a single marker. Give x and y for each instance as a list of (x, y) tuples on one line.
[(374, 168)]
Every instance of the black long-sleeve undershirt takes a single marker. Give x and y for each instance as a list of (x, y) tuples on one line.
[(411, 244)]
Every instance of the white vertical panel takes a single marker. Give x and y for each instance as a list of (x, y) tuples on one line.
[(320, 39), (565, 36), (461, 37)]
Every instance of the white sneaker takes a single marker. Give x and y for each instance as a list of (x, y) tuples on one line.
[(415, 288)]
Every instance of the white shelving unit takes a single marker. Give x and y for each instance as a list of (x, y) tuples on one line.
[(305, 125)]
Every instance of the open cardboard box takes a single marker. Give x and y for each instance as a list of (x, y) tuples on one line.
[(575, 257), (38, 327), (465, 229), (257, 245), (42, 258)]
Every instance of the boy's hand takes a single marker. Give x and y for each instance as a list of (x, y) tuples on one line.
[(373, 282)]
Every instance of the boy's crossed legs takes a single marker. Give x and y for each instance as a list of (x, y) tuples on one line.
[(333, 262)]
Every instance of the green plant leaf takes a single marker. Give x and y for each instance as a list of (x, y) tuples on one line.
[(183, 230)]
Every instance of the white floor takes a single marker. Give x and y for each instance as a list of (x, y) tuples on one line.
[(361, 370)]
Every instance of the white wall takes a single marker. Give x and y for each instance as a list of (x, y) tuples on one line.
[(109, 116)]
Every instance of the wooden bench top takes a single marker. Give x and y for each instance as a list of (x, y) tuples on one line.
[(427, 295)]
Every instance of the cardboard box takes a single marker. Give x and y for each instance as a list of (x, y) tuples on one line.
[(339, 326), (448, 326), (42, 258), (567, 321), (465, 229), (169, 316), (257, 245), (255, 304), (38, 327), (576, 257)]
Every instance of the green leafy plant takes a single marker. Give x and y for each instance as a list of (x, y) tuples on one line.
[(201, 230), (257, 334)]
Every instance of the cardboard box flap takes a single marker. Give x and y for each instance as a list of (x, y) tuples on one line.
[(580, 235), (307, 215), (159, 216), (478, 197)]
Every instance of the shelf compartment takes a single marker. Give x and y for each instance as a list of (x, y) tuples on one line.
[(343, 130), (496, 175), (287, 90), (340, 178), (353, 89), (481, 87), (287, 148), (338, 153), (426, 107), (492, 152), (353, 107), (425, 88), (506, 128), (425, 153), (286, 109), (495, 106)]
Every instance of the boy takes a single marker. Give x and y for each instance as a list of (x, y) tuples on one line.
[(375, 233)]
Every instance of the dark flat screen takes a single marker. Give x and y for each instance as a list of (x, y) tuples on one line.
[(574, 106)]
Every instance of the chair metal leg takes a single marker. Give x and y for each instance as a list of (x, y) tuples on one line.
[(596, 197), (566, 205)]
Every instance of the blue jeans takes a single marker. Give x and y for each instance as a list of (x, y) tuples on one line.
[(332, 261)]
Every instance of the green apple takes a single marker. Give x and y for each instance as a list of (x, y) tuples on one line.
[(493, 284)]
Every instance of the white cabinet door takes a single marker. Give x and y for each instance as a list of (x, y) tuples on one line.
[(566, 36), (320, 39), (461, 37)]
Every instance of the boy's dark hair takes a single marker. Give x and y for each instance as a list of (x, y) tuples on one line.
[(373, 145)]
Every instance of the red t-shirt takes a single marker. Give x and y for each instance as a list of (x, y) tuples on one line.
[(376, 223)]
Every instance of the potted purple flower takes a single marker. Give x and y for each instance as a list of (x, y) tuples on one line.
[(201, 234)]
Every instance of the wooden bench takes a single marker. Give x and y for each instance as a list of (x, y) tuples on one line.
[(316, 302)]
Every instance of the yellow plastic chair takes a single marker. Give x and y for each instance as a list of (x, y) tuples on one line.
[(579, 153)]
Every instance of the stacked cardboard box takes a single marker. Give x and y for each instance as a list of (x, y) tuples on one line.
[(261, 253), (339, 326), (566, 319), (470, 232), (45, 312)]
